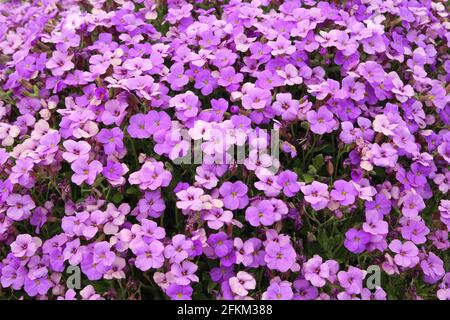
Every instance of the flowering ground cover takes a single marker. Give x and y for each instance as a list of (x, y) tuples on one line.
[(224, 149)]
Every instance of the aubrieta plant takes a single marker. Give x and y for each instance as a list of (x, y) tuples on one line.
[(342, 109)]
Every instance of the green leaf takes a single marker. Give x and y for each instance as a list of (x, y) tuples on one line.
[(117, 198), (308, 178), (318, 162)]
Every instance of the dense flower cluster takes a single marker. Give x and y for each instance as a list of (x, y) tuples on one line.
[(102, 101)]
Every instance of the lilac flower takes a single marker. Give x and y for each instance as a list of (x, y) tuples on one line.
[(76, 150), (176, 292), (304, 290), (260, 214), (176, 77), (112, 140), (256, 98), (406, 253), (220, 243), (351, 280), (25, 245), (288, 180), (59, 63), (241, 283), (433, 268), (415, 231), (19, 207), (316, 194), (85, 172), (184, 273), (412, 204), (321, 121), (374, 225), (356, 241), (354, 92), (279, 257), (315, 271), (279, 291), (149, 255), (344, 192), (151, 176), (234, 195)]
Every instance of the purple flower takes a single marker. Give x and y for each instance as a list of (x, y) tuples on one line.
[(176, 292), (36, 286), (85, 172), (220, 243), (406, 253), (415, 231), (351, 280), (281, 290), (228, 77), (260, 214), (344, 192), (19, 207), (112, 140), (217, 218), (149, 255), (356, 240), (384, 156), (375, 225), (234, 195), (103, 255), (433, 268), (177, 78), (412, 204), (279, 257), (288, 181), (184, 273), (115, 112), (139, 126), (304, 290), (316, 194), (256, 98), (241, 283), (59, 63), (151, 205), (371, 71), (315, 271), (179, 249), (321, 121), (151, 176), (21, 172), (90, 92), (189, 199), (76, 150), (281, 46), (25, 246), (381, 205)]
